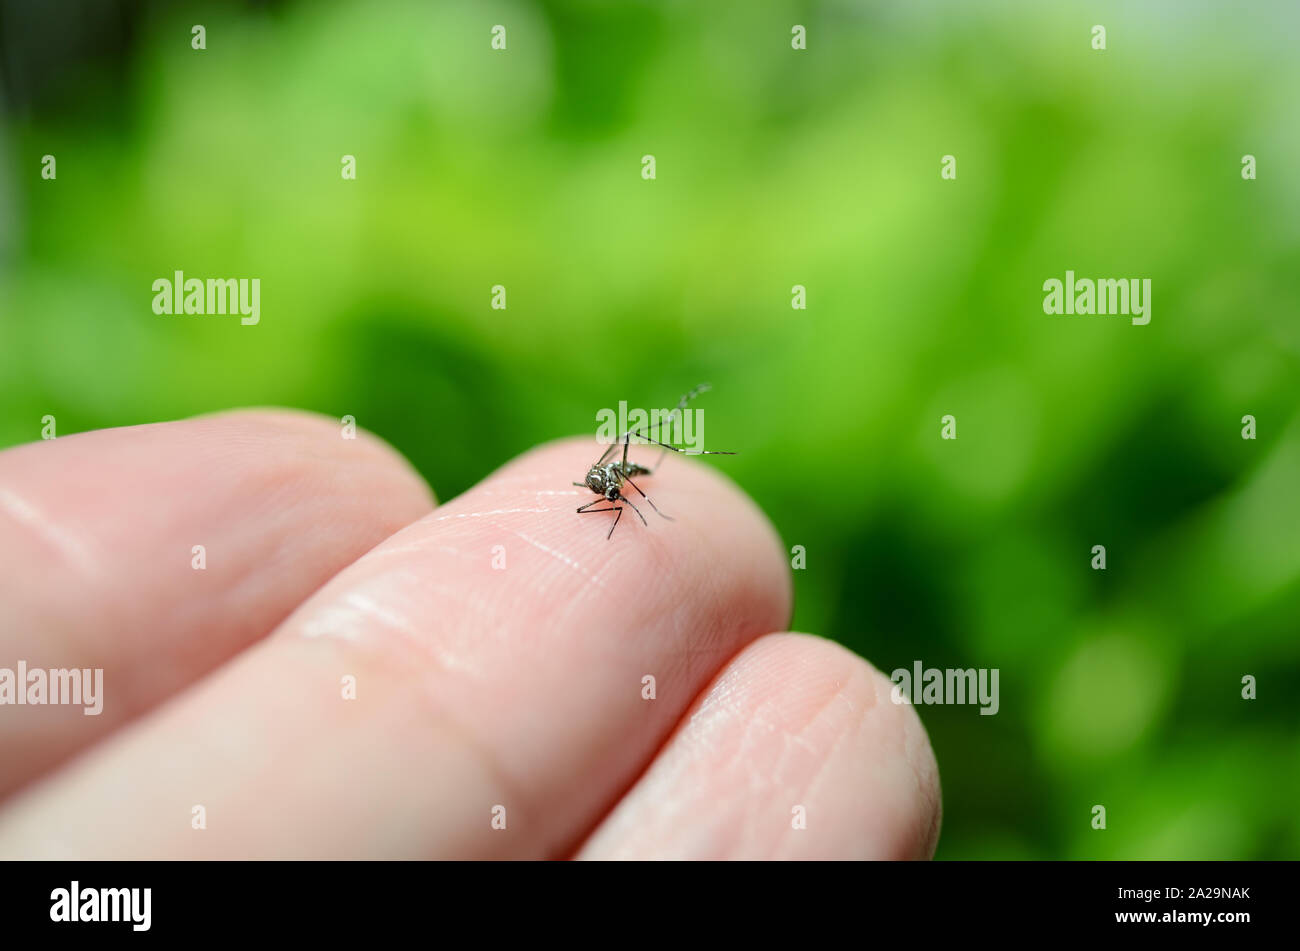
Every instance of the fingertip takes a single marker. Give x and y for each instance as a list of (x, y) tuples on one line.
[(794, 751), (709, 539)]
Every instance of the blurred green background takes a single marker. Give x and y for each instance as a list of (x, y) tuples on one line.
[(775, 167)]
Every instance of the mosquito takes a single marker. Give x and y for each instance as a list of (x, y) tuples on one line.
[(606, 479)]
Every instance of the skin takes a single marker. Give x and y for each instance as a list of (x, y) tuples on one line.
[(476, 686)]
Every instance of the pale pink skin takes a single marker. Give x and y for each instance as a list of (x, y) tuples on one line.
[(476, 686)]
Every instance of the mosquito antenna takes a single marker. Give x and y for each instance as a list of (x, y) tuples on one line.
[(681, 405), (686, 452)]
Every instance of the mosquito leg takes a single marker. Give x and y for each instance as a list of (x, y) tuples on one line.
[(588, 510), (637, 510), (648, 499)]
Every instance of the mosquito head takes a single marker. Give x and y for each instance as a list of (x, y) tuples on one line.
[(596, 480)]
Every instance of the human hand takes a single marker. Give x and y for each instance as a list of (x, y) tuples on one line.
[(484, 677)]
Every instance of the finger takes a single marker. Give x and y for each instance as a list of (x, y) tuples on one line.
[(99, 567), (795, 751), (479, 683)]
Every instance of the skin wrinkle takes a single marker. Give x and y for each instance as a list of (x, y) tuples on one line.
[(387, 617), (842, 695), (78, 556), (330, 621), (443, 518), (750, 739), (561, 557), (793, 736), (571, 492), (824, 761), (388, 551), (753, 799), (75, 552), (512, 478), (422, 543)]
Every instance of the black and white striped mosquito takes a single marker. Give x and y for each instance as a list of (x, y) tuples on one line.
[(606, 479)]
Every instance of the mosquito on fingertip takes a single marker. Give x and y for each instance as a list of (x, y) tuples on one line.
[(607, 479)]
